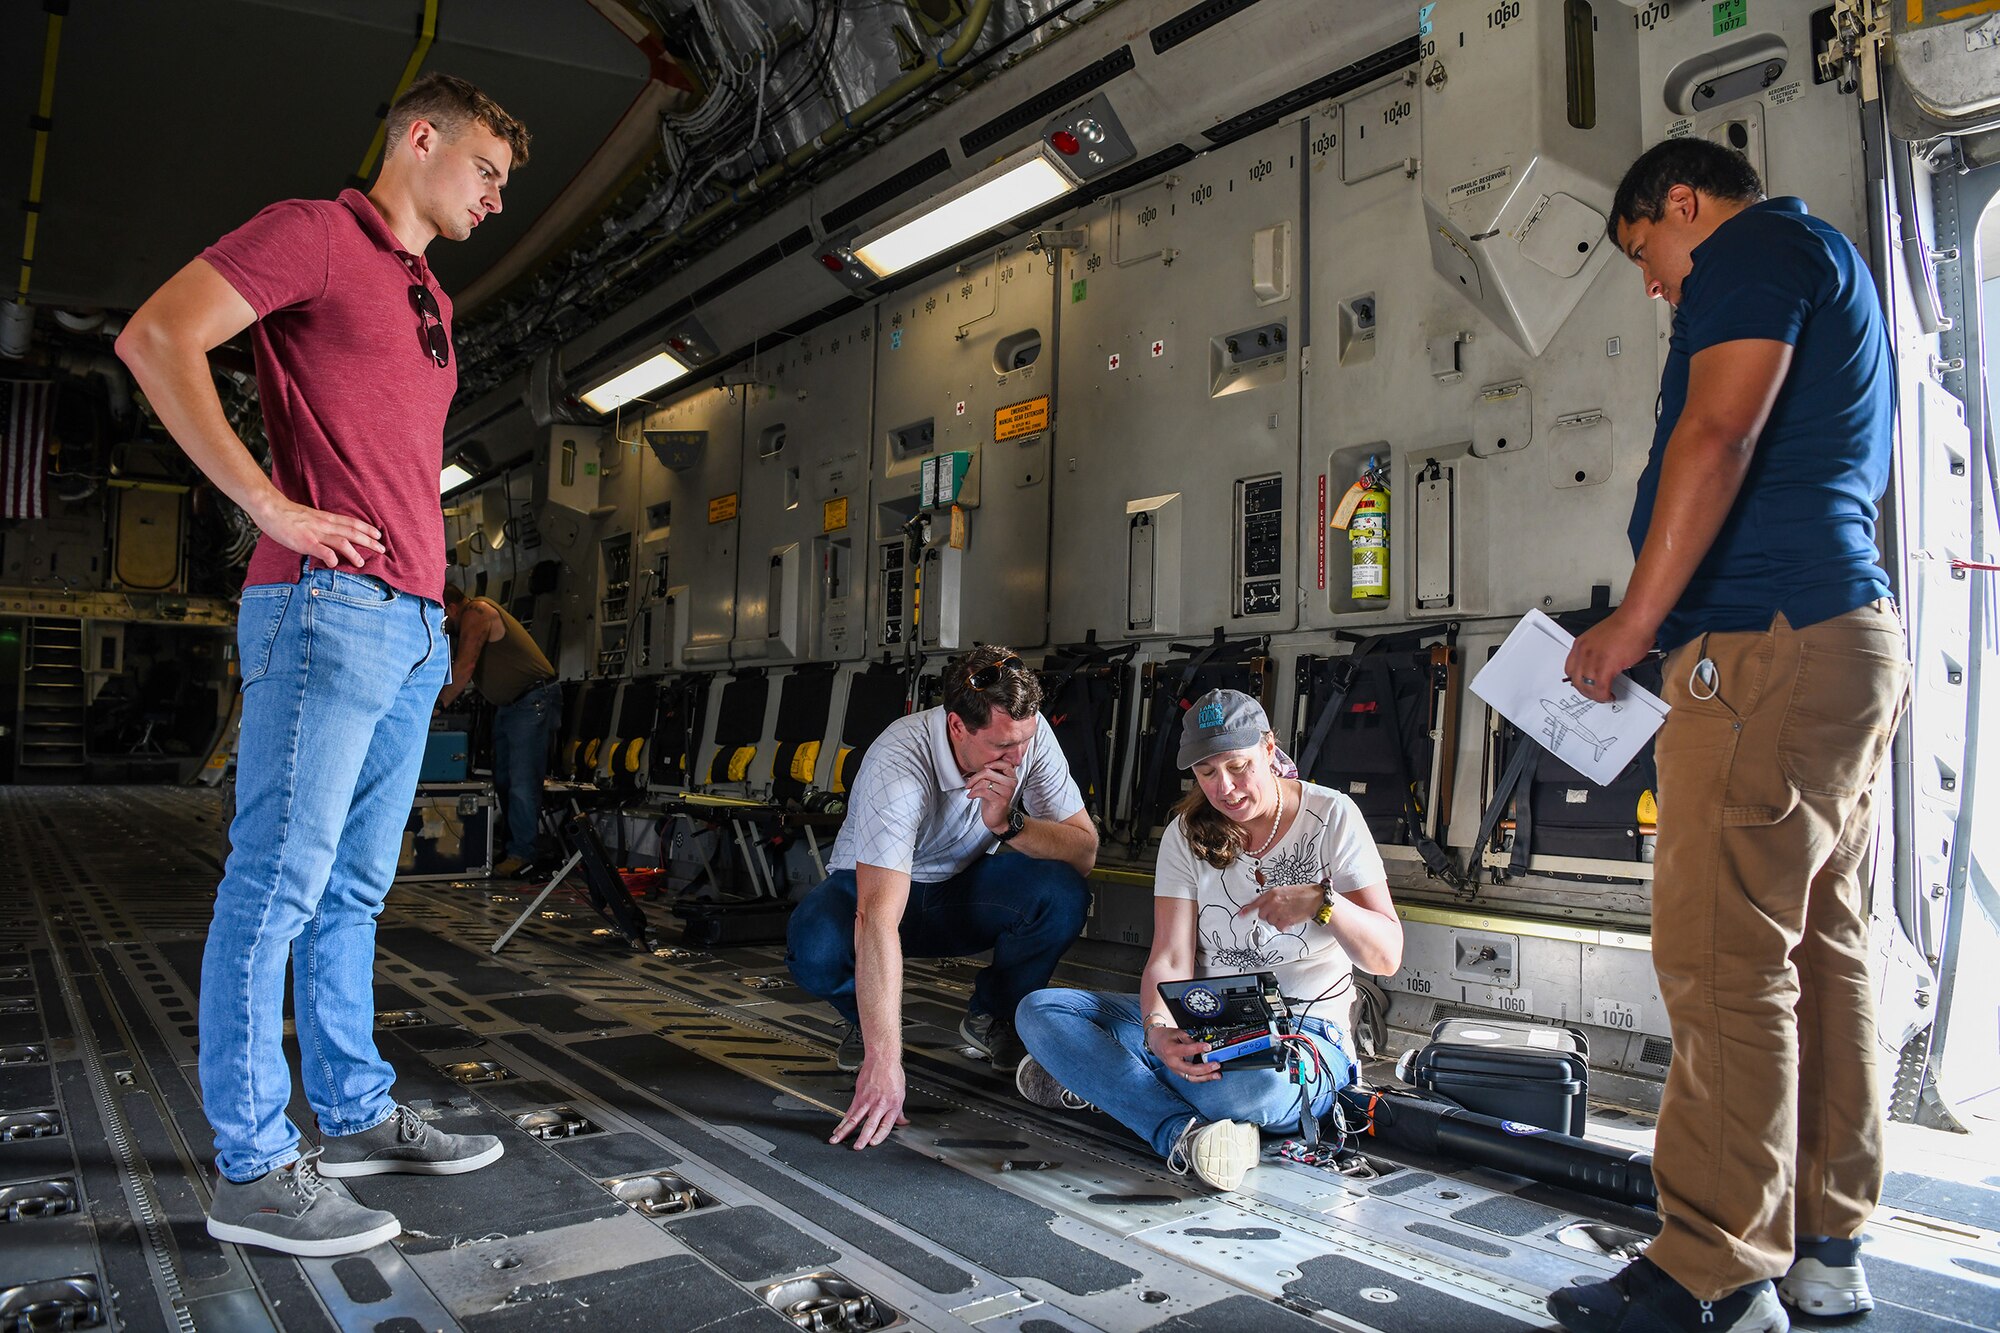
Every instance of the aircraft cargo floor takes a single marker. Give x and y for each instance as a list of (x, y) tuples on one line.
[(601, 1069)]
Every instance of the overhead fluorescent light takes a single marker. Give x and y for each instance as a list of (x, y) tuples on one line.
[(634, 381), (454, 476), (1016, 184)]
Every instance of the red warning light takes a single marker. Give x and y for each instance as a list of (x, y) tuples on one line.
[(832, 262), (1065, 143)]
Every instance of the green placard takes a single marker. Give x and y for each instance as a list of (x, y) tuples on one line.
[(1078, 290), (1731, 15)]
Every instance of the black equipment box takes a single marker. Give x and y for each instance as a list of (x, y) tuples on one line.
[(1522, 1072), (450, 831)]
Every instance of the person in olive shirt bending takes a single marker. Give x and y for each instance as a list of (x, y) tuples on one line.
[(497, 656)]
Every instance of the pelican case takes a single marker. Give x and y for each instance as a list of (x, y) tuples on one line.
[(1524, 1072)]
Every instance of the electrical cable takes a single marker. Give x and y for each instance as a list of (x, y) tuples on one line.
[(798, 90)]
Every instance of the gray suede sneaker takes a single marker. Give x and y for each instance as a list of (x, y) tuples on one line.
[(1039, 1086), (291, 1210), (404, 1143)]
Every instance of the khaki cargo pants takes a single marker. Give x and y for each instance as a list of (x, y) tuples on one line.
[(1771, 1125)]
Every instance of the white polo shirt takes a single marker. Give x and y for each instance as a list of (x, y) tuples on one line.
[(909, 810)]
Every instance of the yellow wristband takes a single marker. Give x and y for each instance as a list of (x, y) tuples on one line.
[(1325, 913)]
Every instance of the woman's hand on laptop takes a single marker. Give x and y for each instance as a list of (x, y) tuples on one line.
[(1178, 1051)]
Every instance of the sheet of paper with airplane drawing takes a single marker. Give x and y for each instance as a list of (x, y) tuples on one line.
[(1524, 680)]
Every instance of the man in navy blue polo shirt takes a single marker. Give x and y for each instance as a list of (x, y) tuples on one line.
[(1757, 572)]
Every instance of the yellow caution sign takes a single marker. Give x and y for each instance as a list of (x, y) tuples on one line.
[(1020, 419), (833, 514), (722, 508)]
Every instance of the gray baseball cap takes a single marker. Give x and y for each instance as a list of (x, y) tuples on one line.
[(1220, 720)]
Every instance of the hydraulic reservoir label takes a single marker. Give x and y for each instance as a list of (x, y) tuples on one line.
[(1020, 419), (722, 508)]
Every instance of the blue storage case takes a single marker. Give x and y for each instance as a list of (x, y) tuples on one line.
[(447, 757)]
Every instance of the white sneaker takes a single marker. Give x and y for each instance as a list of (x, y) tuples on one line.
[(1219, 1152), (1828, 1291)]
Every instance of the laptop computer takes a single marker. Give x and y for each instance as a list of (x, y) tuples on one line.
[(1240, 1017)]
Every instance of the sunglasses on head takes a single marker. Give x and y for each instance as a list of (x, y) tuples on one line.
[(435, 340), (986, 677)]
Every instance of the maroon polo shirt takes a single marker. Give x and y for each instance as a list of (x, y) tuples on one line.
[(353, 404)]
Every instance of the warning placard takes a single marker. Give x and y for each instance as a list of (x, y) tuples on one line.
[(722, 508), (1029, 418), (833, 514)]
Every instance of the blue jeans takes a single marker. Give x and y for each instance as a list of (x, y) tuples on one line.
[(522, 733), (1025, 910), (1094, 1045), (339, 675)]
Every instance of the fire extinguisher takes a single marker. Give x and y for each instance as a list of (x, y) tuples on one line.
[(1368, 535)]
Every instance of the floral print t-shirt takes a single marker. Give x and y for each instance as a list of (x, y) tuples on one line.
[(1327, 841)]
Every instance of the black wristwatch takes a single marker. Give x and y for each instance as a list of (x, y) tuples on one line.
[(1016, 821)]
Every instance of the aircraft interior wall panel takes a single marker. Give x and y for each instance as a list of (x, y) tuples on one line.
[(656, 611), (1609, 989), (702, 499), (1621, 991), (1181, 324), (1528, 124), (1406, 367), (611, 566), (1934, 603), (805, 497), (483, 547), (954, 354), (1803, 137)]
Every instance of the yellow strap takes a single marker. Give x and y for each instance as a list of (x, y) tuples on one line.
[(739, 762), (840, 768), (632, 755), (590, 755), (570, 763), (424, 37)]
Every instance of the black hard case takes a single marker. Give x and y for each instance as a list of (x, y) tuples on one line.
[(1526, 1072)]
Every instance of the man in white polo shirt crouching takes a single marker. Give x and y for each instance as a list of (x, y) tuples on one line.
[(917, 872)]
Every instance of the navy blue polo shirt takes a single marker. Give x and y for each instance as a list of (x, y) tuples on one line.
[(1801, 536)]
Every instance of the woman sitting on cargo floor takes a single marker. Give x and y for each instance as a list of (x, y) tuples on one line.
[(1258, 872)]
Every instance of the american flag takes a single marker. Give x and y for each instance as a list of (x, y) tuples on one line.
[(25, 409)]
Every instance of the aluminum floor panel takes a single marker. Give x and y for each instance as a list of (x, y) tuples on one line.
[(982, 1213)]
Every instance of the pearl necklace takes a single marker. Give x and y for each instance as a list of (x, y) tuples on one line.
[(1277, 822)]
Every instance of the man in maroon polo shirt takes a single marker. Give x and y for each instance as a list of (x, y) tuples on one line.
[(341, 644)]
